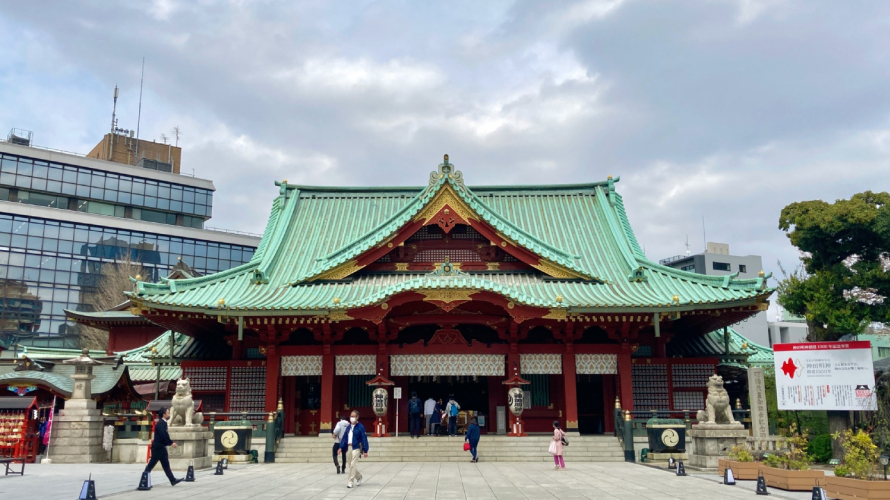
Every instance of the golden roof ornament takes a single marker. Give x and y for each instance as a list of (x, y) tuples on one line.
[(609, 177), (761, 273), (676, 299), (336, 300), (221, 302), (559, 298)]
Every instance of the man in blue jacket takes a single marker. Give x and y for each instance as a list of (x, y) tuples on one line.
[(355, 443), (159, 447)]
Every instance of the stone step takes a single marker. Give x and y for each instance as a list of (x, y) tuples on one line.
[(491, 449)]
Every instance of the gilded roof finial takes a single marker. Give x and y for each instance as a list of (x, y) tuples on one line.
[(676, 298), (446, 159), (138, 277), (761, 273), (336, 300), (221, 302), (559, 298), (609, 177)]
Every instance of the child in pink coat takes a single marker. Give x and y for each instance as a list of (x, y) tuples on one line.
[(556, 446)]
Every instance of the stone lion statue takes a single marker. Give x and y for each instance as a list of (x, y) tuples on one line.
[(182, 410), (718, 411)]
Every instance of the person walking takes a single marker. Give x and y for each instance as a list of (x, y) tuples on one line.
[(339, 432), (429, 406), (436, 418), (452, 411), (556, 447), (356, 445), (472, 437), (415, 409), (159, 447), (41, 430)]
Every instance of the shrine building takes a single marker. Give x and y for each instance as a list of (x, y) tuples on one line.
[(446, 289)]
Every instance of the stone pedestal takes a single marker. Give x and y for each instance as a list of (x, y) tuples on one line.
[(77, 434), (664, 458), (711, 442), (192, 449)]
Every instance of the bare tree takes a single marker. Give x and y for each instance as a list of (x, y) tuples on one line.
[(113, 281)]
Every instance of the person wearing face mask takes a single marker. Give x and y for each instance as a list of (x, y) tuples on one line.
[(355, 443)]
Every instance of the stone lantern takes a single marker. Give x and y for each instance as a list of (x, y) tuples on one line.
[(77, 431), (83, 375)]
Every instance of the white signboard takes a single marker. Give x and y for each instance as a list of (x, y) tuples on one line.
[(825, 376), (397, 393)]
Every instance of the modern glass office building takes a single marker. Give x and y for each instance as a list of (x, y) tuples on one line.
[(62, 217)]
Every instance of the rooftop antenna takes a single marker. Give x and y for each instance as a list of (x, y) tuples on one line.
[(113, 124), (139, 115), (704, 235), (687, 245), (176, 132)]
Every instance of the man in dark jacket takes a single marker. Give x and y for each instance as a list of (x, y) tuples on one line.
[(159, 447), (355, 442), (472, 437), (415, 412)]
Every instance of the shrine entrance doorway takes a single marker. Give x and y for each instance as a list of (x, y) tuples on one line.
[(306, 394), (470, 392), (591, 407)]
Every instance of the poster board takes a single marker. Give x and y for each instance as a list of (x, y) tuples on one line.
[(825, 376)]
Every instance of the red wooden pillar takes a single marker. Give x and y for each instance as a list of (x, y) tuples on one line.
[(273, 373), (327, 391), (570, 388), (625, 377)]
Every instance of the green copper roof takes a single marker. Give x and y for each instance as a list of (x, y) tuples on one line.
[(107, 376), (583, 228), (712, 344)]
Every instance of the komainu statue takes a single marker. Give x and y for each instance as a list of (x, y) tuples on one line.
[(718, 411), (182, 411)]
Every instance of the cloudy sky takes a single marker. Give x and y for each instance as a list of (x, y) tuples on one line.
[(726, 110)]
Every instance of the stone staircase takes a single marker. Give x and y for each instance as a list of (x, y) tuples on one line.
[(446, 449)]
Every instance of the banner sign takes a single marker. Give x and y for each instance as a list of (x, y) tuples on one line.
[(825, 376)]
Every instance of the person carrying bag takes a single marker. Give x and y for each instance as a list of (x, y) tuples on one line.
[(556, 446)]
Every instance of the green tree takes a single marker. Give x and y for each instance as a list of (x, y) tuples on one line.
[(844, 279), (844, 246)]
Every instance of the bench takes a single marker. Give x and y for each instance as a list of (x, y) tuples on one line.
[(9, 461)]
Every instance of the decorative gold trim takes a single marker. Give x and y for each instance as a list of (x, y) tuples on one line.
[(557, 271), (447, 295), (571, 424), (511, 305), (763, 306), (493, 266), (324, 426), (401, 266), (339, 272), (446, 196), (558, 314), (338, 315)]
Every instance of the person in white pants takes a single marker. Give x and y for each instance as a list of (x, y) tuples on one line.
[(429, 407)]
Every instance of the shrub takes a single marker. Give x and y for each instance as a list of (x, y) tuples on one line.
[(841, 470), (740, 453), (774, 460), (820, 448), (860, 454)]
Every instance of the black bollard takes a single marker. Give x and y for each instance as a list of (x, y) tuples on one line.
[(145, 482), (190, 475), (681, 470), (761, 485), (88, 490), (819, 493), (728, 477), (219, 469)]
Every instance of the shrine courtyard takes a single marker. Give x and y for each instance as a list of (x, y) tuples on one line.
[(386, 480)]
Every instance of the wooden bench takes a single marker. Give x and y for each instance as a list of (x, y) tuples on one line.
[(9, 461)]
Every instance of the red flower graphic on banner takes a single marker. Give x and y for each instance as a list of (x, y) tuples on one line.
[(789, 368)]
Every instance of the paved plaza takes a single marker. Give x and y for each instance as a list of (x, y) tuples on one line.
[(389, 481)]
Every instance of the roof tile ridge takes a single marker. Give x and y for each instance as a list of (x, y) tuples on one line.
[(704, 279), (472, 199), (146, 288), (281, 229), (427, 192), (606, 207), (267, 231)]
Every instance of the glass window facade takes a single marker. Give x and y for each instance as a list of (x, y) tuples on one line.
[(36, 177), (47, 266)]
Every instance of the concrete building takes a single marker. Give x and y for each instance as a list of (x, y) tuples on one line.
[(788, 329), (63, 217), (126, 149), (717, 261)]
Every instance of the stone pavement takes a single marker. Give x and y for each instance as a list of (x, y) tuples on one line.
[(385, 481)]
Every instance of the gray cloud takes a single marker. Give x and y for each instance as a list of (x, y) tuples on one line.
[(727, 109)]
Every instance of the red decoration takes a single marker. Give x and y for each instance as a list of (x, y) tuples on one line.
[(789, 368)]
